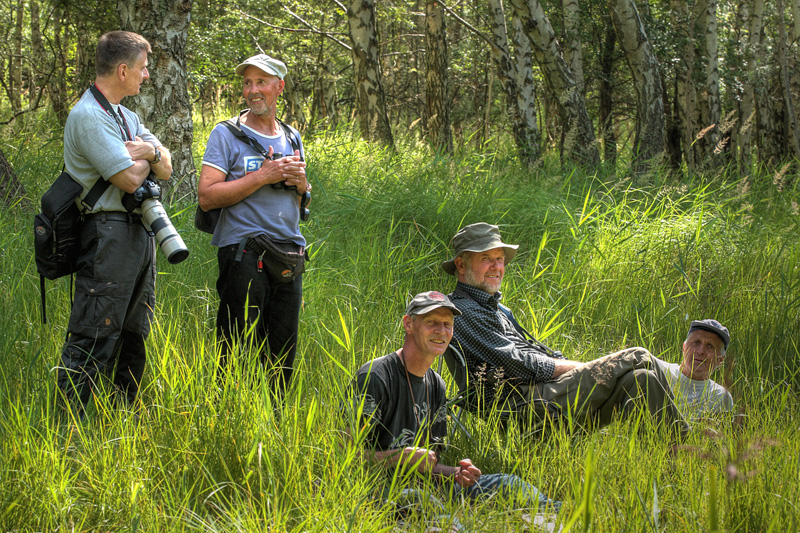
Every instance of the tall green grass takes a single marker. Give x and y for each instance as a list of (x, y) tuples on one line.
[(603, 263)]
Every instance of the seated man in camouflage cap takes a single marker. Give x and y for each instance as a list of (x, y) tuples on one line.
[(703, 351), (399, 413), (516, 373)]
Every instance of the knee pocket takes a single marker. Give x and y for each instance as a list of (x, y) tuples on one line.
[(94, 309)]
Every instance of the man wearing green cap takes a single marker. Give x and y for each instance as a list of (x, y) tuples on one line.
[(399, 412), (259, 197), (703, 351), (514, 372)]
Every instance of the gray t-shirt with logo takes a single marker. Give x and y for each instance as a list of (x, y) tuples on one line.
[(94, 147), (268, 210)]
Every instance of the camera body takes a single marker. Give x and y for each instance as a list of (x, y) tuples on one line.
[(304, 199), (155, 219)]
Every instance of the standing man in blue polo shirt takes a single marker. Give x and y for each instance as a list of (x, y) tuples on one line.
[(259, 197)]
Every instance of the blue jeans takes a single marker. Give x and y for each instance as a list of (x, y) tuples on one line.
[(508, 487), (250, 300)]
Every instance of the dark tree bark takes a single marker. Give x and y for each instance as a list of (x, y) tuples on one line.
[(436, 78), (370, 97), (164, 104), (11, 189), (607, 132)]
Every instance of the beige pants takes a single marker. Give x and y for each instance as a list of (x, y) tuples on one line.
[(592, 394)]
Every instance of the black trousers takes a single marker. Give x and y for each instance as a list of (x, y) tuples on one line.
[(257, 314), (112, 309)]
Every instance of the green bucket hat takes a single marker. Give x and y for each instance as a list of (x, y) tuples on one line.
[(478, 237)]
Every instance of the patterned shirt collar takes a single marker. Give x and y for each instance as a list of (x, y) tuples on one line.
[(480, 296)]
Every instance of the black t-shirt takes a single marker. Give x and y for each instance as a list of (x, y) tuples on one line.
[(395, 417)]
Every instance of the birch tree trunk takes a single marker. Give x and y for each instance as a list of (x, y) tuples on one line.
[(572, 41), (436, 78), (163, 103), (578, 142), (526, 133), (58, 84), (293, 108), (710, 105), (648, 144), (747, 115), (15, 65), (370, 97), (685, 95), (791, 119), (516, 77)]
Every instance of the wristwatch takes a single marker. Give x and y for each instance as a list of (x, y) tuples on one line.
[(157, 157)]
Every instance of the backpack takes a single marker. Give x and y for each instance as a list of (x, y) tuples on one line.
[(57, 229), (206, 221)]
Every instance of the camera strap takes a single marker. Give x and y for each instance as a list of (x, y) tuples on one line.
[(235, 127), (122, 124)]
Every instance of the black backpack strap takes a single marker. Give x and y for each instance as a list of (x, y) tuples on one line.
[(95, 193), (287, 130)]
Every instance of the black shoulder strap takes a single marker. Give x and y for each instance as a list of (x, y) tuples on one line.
[(287, 130), (237, 132), (234, 126), (103, 101)]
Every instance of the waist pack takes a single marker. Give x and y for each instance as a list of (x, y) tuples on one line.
[(57, 229), (284, 260)]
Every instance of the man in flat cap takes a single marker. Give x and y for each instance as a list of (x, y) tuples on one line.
[(261, 197), (703, 351), (514, 372), (400, 413)]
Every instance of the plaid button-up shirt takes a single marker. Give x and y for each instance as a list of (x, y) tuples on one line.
[(492, 345)]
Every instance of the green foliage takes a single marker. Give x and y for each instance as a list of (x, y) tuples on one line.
[(602, 264)]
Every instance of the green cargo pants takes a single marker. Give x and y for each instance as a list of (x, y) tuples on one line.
[(592, 394)]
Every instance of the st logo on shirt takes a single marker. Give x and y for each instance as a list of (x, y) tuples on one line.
[(252, 163)]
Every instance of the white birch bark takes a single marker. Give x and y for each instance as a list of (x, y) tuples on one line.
[(578, 142), (572, 41), (370, 96), (650, 121), (436, 94), (163, 103)]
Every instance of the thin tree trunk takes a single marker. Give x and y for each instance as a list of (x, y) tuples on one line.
[(747, 113), (516, 77), (528, 136), (436, 78), (791, 119), (58, 85), (37, 48), (370, 97), (710, 112), (15, 65), (164, 104), (607, 132), (572, 41), (650, 121), (685, 95), (11, 189), (293, 108), (578, 142)]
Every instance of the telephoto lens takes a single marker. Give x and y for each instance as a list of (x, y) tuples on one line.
[(156, 220)]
